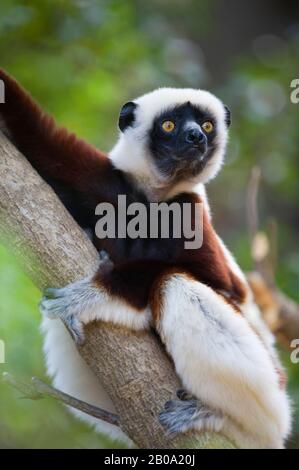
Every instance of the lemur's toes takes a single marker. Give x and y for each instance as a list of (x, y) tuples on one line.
[(48, 307), (183, 395), (170, 405), (181, 416), (75, 327), (52, 292), (56, 302), (59, 307), (70, 304), (176, 414)]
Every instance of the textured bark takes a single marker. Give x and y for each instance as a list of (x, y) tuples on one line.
[(54, 251)]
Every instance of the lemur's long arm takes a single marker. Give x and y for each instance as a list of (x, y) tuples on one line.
[(52, 151), (75, 169)]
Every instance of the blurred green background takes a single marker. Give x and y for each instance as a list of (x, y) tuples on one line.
[(81, 60)]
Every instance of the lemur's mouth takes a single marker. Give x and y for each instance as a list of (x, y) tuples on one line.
[(196, 152), (189, 166)]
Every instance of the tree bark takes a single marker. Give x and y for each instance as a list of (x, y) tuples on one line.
[(54, 251)]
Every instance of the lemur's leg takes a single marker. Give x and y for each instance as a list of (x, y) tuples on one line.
[(83, 301), (251, 312), (222, 362)]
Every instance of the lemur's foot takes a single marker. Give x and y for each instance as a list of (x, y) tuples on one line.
[(69, 304), (185, 414)]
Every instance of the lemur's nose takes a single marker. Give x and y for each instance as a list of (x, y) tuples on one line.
[(194, 136)]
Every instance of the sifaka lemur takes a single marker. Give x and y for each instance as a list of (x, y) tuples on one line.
[(171, 142)]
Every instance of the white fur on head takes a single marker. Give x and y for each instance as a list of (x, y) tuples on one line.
[(132, 155)]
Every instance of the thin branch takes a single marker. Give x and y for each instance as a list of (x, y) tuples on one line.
[(38, 389)]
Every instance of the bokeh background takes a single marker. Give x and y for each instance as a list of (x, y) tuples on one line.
[(81, 60)]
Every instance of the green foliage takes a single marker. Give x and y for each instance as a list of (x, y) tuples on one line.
[(82, 59)]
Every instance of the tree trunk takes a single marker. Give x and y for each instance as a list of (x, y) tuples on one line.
[(53, 250)]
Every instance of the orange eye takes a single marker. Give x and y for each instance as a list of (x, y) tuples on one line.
[(208, 126), (168, 126)]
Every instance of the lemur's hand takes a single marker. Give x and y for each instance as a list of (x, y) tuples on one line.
[(70, 304), (74, 304)]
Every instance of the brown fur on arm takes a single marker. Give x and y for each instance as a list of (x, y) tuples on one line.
[(53, 151), (81, 175)]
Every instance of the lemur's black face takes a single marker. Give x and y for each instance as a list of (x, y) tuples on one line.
[(182, 140), (185, 141)]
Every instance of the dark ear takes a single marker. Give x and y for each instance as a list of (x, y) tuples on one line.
[(228, 119), (127, 115)]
